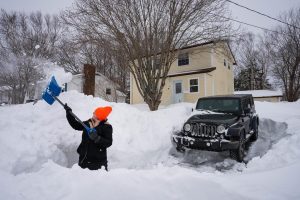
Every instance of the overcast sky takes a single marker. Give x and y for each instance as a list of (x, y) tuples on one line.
[(269, 7)]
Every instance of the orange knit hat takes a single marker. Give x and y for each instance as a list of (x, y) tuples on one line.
[(102, 112)]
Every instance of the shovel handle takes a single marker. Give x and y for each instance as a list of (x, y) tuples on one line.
[(89, 130)]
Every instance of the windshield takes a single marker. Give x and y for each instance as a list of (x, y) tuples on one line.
[(219, 105)]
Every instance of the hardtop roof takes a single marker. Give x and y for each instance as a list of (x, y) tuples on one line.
[(236, 96)]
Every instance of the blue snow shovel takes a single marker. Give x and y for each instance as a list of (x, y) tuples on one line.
[(50, 95)]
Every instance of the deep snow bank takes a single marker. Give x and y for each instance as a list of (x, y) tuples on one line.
[(32, 134), (38, 156)]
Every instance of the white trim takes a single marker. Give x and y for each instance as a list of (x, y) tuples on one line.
[(194, 85)]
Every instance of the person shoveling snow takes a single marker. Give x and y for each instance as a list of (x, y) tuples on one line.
[(97, 132), (92, 149)]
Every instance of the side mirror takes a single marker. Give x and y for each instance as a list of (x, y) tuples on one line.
[(247, 110)]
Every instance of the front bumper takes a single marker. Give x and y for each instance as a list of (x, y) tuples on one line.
[(204, 144)]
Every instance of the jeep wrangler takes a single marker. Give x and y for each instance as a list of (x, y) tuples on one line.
[(220, 123)]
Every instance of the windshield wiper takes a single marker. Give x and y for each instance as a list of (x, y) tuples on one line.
[(216, 110), (208, 111)]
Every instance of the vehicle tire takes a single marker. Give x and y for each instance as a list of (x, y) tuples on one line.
[(176, 152), (180, 149), (254, 136), (239, 153)]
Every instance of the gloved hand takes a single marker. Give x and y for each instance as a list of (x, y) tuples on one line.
[(67, 108), (94, 136)]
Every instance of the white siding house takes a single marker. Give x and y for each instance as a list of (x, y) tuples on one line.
[(104, 88), (5, 94)]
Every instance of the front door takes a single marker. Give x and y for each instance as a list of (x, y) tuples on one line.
[(177, 92)]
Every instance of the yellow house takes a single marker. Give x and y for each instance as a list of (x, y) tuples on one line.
[(200, 70)]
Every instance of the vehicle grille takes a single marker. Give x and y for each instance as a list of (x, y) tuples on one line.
[(203, 130)]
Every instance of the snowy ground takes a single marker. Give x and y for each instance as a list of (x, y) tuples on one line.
[(38, 155)]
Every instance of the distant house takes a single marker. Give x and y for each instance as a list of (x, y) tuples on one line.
[(200, 70), (5, 94), (263, 95), (104, 87)]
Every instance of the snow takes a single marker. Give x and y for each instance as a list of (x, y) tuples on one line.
[(39, 159), (261, 93), (51, 69)]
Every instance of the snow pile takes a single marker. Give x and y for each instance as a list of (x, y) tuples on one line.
[(42, 132), (51, 69), (283, 138), (38, 155)]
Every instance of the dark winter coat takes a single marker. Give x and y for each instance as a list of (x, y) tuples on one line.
[(92, 154)]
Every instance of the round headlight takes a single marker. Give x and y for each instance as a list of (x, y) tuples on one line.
[(221, 129), (187, 127)]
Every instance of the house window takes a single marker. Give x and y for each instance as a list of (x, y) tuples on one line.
[(183, 59), (194, 87), (229, 66), (224, 63), (108, 91)]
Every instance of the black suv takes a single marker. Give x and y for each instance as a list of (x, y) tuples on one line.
[(220, 123)]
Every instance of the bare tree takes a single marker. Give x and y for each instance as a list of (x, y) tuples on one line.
[(77, 50), (149, 32), (70, 56), (25, 40), (264, 62), (254, 60), (284, 45), (19, 75)]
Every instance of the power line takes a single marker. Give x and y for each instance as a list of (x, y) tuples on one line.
[(262, 14), (253, 25)]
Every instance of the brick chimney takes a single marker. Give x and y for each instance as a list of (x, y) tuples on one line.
[(89, 72)]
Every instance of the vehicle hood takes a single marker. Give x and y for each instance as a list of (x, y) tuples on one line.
[(214, 119)]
